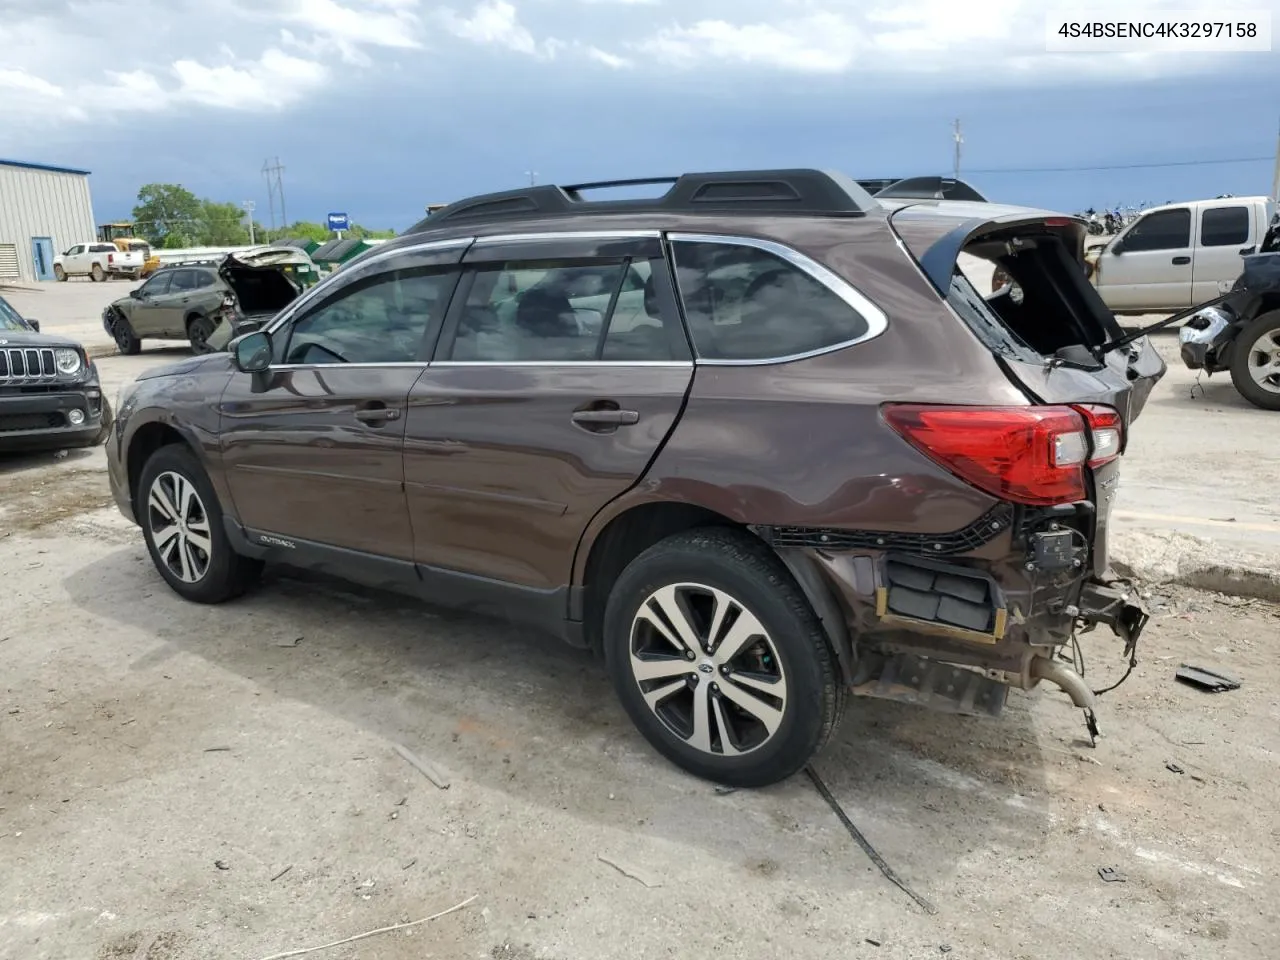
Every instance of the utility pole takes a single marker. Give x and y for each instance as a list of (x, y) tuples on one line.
[(274, 173), (959, 139), (249, 206), (533, 177)]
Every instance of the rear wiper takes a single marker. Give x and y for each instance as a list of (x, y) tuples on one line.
[(1119, 342)]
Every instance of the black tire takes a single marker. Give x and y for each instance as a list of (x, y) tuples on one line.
[(59, 274), (199, 328), (127, 341), (1241, 350), (97, 274), (225, 574), (745, 569)]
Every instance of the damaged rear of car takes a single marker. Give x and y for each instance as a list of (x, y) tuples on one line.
[(953, 621), (258, 287)]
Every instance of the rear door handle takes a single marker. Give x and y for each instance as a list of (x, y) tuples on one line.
[(605, 417), (377, 415), (1181, 261)]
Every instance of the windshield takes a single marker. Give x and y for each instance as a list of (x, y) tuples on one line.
[(9, 317)]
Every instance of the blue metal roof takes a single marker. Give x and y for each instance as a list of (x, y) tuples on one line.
[(41, 166)]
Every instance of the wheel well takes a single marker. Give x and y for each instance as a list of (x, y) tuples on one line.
[(626, 537), (146, 441), (193, 315)]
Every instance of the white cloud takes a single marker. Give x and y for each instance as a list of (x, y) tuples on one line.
[(608, 59), (495, 23)]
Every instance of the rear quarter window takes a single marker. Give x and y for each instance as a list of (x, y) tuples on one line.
[(743, 302)]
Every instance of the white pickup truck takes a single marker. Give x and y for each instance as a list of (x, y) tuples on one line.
[(1177, 256), (98, 261)]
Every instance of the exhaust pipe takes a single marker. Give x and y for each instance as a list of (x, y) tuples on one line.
[(1073, 685)]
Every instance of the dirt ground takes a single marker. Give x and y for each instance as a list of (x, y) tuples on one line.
[(189, 782)]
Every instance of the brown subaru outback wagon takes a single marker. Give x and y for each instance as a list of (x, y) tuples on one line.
[(758, 440)]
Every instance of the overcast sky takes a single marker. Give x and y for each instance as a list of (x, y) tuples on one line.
[(378, 107)]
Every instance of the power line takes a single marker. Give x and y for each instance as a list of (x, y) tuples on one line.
[(1124, 166)]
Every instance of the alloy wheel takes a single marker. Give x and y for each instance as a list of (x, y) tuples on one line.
[(708, 669), (1264, 361), (179, 526)]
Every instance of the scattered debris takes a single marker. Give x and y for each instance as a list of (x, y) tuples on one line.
[(944, 948), (1173, 767), (628, 872), (222, 865), (1206, 679), (423, 767), (395, 815), (60, 455), (1111, 875), (217, 749), (371, 933), (409, 864), (1081, 757), (282, 873), (865, 844), (129, 721), (402, 801), (289, 642), (724, 791), (874, 943)]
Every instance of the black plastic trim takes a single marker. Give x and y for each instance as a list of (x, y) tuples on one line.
[(965, 540)]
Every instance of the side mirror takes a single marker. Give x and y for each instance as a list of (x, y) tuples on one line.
[(136, 293), (251, 352), (34, 324), (1117, 248)]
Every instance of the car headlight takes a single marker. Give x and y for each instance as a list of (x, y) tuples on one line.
[(68, 361)]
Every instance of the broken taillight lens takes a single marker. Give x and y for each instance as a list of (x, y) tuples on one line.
[(1030, 455), (1106, 432)]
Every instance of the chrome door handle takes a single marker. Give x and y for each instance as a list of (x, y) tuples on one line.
[(378, 415), (607, 417)]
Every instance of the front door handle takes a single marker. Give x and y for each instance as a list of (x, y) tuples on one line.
[(1181, 261), (606, 417), (1246, 251), (377, 415)]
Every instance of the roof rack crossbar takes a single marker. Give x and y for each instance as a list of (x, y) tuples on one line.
[(800, 192)]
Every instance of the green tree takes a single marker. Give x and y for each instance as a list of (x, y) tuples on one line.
[(222, 224), (167, 215)]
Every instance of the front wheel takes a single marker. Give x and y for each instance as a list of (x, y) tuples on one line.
[(182, 523), (719, 659), (1255, 361), (127, 341), (58, 273)]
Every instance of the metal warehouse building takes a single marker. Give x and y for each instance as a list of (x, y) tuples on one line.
[(43, 211)]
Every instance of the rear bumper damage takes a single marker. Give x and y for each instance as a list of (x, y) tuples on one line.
[(956, 633)]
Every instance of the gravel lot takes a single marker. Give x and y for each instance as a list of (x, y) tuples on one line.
[(147, 744)]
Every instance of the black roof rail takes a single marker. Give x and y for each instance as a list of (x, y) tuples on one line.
[(798, 192), (923, 188)]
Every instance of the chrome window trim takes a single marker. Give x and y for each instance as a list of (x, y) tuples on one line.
[(293, 309), (563, 363), (423, 364), (876, 319), (495, 239)]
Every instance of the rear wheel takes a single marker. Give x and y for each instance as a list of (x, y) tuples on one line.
[(719, 660), (122, 333), (198, 330), (97, 273), (58, 273), (1255, 361), (182, 523)]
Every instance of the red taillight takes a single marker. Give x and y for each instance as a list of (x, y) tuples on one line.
[(1031, 455), (1106, 433), (111, 258)]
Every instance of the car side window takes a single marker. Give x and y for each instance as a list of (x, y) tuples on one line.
[(206, 279), (1163, 230), (1224, 227), (157, 285), (77, 249), (183, 280), (744, 303), (562, 311), (379, 320)]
